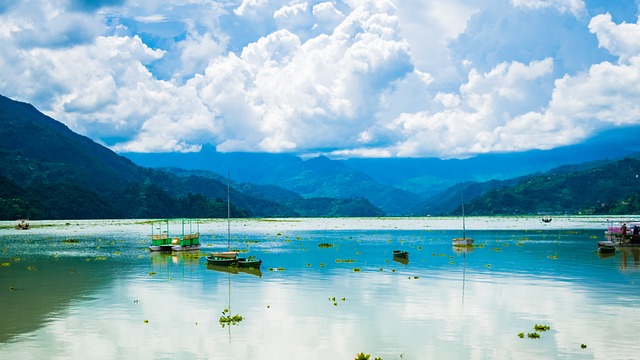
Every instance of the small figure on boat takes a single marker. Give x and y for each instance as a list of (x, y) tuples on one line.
[(547, 220), (623, 231), (635, 237)]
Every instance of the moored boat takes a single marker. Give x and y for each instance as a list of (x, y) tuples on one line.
[(187, 239), (218, 261), (225, 254), (249, 263), (400, 253), (23, 224), (606, 247), (464, 240)]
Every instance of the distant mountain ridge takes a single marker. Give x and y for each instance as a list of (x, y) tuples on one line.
[(48, 171)]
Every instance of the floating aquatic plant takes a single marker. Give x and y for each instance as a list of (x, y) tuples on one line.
[(152, 273), (345, 261), (583, 346), (325, 245), (533, 335), (356, 270), (362, 356), (71, 241), (5, 264), (542, 328), (227, 319), (32, 267), (521, 335)]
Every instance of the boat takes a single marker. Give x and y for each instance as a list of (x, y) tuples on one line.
[(615, 231), (606, 247), (187, 239), (249, 263), (464, 240), (622, 234), (218, 261), (225, 254), (546, 220), (400, 253), (23, 224), (230, 258)]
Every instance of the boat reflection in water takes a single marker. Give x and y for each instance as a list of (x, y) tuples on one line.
[(235, 269)]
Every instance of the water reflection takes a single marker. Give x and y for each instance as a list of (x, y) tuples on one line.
[(235, 270), (630, 259), (107, 295)]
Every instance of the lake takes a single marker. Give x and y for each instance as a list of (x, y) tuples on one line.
[(91, 289)]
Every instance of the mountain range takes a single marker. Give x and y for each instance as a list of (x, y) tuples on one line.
[(48, 171)]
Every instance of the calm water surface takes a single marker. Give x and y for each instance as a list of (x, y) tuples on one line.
[(91, 289)]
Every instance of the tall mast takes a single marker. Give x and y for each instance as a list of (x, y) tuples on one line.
[(464, 236), (228, 212)]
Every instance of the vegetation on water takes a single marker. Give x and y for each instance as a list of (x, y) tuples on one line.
[(227, 319), (362, 356), (537, 330)]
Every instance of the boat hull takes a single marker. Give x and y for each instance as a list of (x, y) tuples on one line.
[(462, 242), (211, 260), (186, 248), (249, 264), (400, 254)]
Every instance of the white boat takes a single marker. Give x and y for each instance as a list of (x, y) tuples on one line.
[(464, 240)]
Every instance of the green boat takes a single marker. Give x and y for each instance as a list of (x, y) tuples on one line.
[(220, 261), (163, 239), (249, 263)]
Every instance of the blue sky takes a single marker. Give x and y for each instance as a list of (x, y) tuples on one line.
[(357, 78)]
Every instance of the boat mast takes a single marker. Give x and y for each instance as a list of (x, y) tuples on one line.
[(228, 212), (464, 236)]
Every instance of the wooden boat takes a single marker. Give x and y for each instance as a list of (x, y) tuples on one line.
[(225, 254), (249, 263), (23, 224), (187, 239), (400, 253), (606, 247), (464, 240), (212, 260), (546, 220), (230, 258)]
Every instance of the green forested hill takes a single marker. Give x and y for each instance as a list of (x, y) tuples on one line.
[(49, 172), (609, 187)]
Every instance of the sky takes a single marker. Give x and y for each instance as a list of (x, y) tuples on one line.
[(345, 79)]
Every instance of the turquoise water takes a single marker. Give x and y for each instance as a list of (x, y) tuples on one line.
[(92, 290)]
